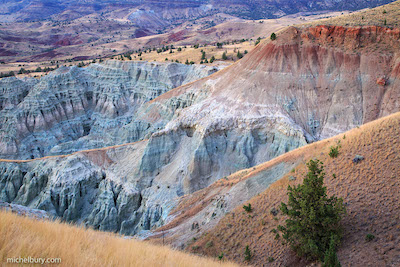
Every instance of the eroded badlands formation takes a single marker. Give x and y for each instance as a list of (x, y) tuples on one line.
[(309, 84)]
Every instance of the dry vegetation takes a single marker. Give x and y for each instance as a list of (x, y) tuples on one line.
[(369, 188), (24, 237), (195, 54), (387, 15), (112, 40)]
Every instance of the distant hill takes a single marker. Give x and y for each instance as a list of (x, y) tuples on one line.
[(172, 11), (387, 16)]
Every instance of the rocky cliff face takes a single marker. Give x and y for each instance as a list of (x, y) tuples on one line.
[(77, 108), (309, 84)]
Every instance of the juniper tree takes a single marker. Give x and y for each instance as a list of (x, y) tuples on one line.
[(314, 219), (224, 57)]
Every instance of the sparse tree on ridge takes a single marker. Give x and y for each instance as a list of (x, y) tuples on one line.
[(313, 228)]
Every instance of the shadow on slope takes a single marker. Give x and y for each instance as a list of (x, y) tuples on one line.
[(370, 189)]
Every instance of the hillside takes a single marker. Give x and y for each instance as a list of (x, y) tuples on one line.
[(167, 12), (47, 44), (309, 84), (369, 188), (72, 104), (386, 16), (75, 246), (41, 34)]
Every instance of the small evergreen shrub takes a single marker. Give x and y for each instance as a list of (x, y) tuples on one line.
[(248, 208), (221, 256), (334, 151), (247, 254), (369, 237), (224, 57), (274, 211)]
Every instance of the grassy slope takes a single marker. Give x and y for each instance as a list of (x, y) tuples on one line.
[(375, 16), (369, 188), (23, 237)]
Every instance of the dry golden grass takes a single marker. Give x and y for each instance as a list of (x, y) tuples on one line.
[(371, 16), (370, 190), (194, 54), (24, 237)]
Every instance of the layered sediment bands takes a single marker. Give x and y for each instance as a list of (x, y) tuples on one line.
[(76, 108), (13, 91), (309, 84), (319, 77), (76, 189)]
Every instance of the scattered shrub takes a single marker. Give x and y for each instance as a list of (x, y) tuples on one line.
[(248, 208), (274, 211), (221, 256), (369, 237), (209, 244), (273, 36), (271, 259), (224, 57), (334, 151), (247, 254)]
